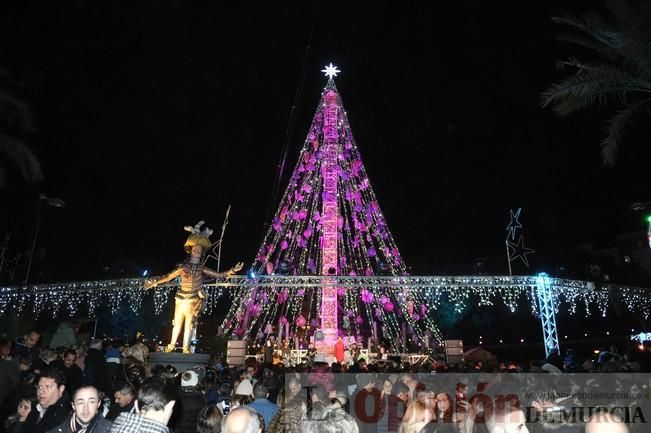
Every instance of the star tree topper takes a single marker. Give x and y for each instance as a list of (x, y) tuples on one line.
[(330, 70)]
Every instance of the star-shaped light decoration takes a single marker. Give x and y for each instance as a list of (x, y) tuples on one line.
[(514, 224), (330, 70), (518, 250)]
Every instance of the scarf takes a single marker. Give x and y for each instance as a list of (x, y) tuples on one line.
[(77, 427)]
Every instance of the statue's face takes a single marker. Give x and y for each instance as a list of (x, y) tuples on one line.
[(196, 252)]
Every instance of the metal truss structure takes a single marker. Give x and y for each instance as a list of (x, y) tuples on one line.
[(547, 315), (544, 294)]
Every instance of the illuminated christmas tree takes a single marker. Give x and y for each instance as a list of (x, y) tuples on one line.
[(329, 222)]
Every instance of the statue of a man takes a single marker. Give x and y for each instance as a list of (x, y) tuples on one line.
[(189, 298)]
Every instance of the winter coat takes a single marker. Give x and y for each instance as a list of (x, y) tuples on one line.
[(53, 416), (102, 426), (95, 370)]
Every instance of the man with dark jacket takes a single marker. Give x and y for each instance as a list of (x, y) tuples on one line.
[(53, 404), (95, 367), (191, 401), (9, 379), (70, 370), (125, 397), (27, 347), (86, 417)]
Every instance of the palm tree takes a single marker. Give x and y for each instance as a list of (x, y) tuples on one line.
[(15, 121), (619, 75)]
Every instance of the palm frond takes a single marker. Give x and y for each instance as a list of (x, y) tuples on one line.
[(592, 85), (617, 126), (597, 35), (21, 156), (15, 113)]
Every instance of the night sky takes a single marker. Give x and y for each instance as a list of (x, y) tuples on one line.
[(153, 115)]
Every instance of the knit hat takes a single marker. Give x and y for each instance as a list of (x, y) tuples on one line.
[(244, 388)]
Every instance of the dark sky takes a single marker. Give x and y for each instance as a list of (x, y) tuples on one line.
[(153, 115)]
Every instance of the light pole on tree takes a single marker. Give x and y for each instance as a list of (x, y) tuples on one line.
[(50, 201)]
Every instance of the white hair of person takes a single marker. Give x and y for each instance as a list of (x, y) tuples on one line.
[(252, 424)]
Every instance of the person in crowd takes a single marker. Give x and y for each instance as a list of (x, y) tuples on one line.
[(340, 401), (288, 419), (210, 420), (387, 386), (190, 401), (124, 399), (49, 359), (382, 354), (65, 335), (95, 371), (413, 384), (134, 366), (53, 404), (354, 352), (366, 402), (294, 387), (262, 405), (243, 393), (5, 348), (511, 420), (81, 357), (321, 373), (318, 396), (9, 373), (219, 393), (114, 371), (569, 362), (240, 400), (331, 419), (27, 347), (71, 371), (416, 417), (156, 399), (241, 420), (603, 422), (85, 417), (393, 403), (22, 411), (250, 373), (339, 350), (443, 411), (269, 349), (270, 380)]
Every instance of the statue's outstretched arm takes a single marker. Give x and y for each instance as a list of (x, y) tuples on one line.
[(153, 282), (214, 274)]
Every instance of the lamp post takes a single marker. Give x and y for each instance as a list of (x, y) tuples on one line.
[(52, 202)]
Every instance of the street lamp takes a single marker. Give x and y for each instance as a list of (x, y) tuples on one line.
[(52, 202), (644, 207)]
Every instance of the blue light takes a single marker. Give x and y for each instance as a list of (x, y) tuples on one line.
[(251, 274), (543, 274), (145, 272)]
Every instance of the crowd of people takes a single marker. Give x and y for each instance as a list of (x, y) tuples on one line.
[(108, 386)]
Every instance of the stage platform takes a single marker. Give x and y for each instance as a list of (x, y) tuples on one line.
[(181, 361)]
